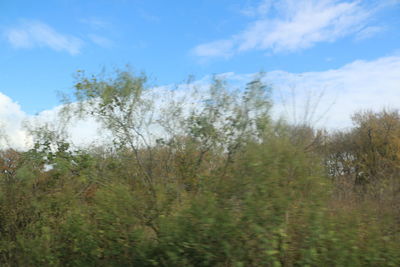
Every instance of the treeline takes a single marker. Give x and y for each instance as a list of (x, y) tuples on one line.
[(216, 182)]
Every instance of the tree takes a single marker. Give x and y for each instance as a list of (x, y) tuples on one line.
[(127, 107), (369, 154)]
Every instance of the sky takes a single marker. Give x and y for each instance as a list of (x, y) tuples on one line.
[(345, 55)]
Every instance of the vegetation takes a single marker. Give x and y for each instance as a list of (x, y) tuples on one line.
[(216, 183)]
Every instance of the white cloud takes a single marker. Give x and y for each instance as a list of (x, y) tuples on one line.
[(11, 119), (96, 23), (31, 34), (369, 32), (100, 40), (222, 48), (291, 25), (360, 85), (81, 132)]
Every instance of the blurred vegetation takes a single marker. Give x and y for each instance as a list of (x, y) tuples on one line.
[(217, 183)]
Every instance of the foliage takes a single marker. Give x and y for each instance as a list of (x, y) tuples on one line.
[(225, 185), (368, 156)]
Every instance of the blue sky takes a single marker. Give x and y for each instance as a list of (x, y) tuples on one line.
[(43, 43)]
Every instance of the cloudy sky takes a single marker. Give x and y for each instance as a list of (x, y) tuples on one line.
[(348, 51)]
